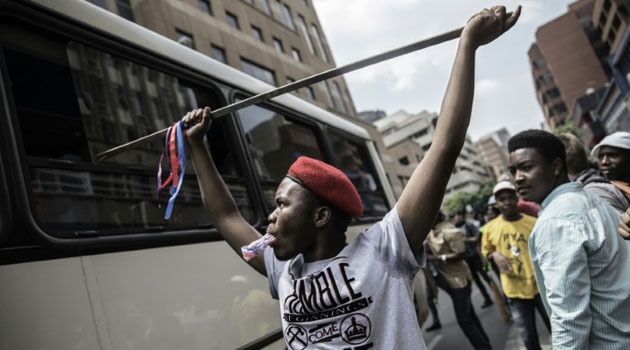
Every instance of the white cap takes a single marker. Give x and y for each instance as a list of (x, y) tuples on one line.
[(492, 201), (503, 185), (619, 139)]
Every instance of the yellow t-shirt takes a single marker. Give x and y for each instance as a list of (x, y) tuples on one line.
[(510, 239)]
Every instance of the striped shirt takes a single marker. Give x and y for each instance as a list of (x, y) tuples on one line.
[(583, 270)]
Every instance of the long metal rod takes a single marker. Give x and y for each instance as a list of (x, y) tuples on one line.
[(331, 73)]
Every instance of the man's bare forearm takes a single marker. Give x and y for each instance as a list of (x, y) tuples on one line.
[(215, 195), (429, 179)]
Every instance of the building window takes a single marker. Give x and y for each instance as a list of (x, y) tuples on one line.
[(280, 12), (257, 33), (232, 20), (277, 43), (124, 9), (285, 15), (185, 38), (606, 5), (99, 3), (289, 18), (266, 7), (320, 45), (307, 37), (204, 6), (258, 72), (337, 92), (296, 54), (218, 53), (602, 19), (560, 108), (310, 93), (420, 133), (546, 78), (404, 160), (331, 102), (611, 37), (539, 63)]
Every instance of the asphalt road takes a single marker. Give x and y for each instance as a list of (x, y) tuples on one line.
[(502, 335)]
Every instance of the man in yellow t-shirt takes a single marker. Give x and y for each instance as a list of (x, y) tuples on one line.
[(505, 242)]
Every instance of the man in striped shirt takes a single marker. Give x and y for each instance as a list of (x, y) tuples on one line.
[(581, 263)]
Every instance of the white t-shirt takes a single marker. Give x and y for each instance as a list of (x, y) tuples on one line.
[(359, 299)]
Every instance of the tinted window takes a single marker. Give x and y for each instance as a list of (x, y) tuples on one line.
[(74, 101), (353, 159), (274, 143)]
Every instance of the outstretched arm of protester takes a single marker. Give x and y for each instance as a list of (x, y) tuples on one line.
[(422, 197), (624, 225), (215, 195)]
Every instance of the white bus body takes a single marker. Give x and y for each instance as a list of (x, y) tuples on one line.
[(85, 260)]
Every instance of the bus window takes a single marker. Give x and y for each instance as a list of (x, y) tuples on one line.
[(353, 160), (73, 101), (275, 142)]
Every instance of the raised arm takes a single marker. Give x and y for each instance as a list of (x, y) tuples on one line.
[(216, 198), (422, 197)]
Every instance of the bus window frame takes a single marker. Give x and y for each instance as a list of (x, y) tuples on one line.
[(321, 131), (291, 115), (72, 31), (366, 150)]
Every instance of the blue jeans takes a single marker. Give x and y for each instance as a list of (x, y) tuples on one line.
[(523, 312)]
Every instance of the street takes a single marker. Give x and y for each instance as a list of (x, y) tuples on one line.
[(502, 335)]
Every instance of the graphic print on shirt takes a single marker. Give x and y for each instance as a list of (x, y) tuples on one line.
[(512, 240), (327, 307)]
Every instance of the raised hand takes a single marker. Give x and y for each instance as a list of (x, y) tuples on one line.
[(488, 25), (198, 123)]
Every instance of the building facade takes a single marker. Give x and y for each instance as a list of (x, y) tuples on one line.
[(277, 41), (566, 60), (493, 152), (408, 136), (580, 69), (613, 110)]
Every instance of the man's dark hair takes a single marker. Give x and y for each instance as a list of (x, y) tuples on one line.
[(545, 143)]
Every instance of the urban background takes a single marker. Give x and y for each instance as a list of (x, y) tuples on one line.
[(579, 61)]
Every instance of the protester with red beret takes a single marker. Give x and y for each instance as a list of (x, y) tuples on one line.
[(359, 294)]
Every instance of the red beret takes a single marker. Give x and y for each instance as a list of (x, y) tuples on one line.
[(327, 182)]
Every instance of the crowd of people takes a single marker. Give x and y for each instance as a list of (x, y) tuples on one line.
[(570, 264), (567, 264)]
